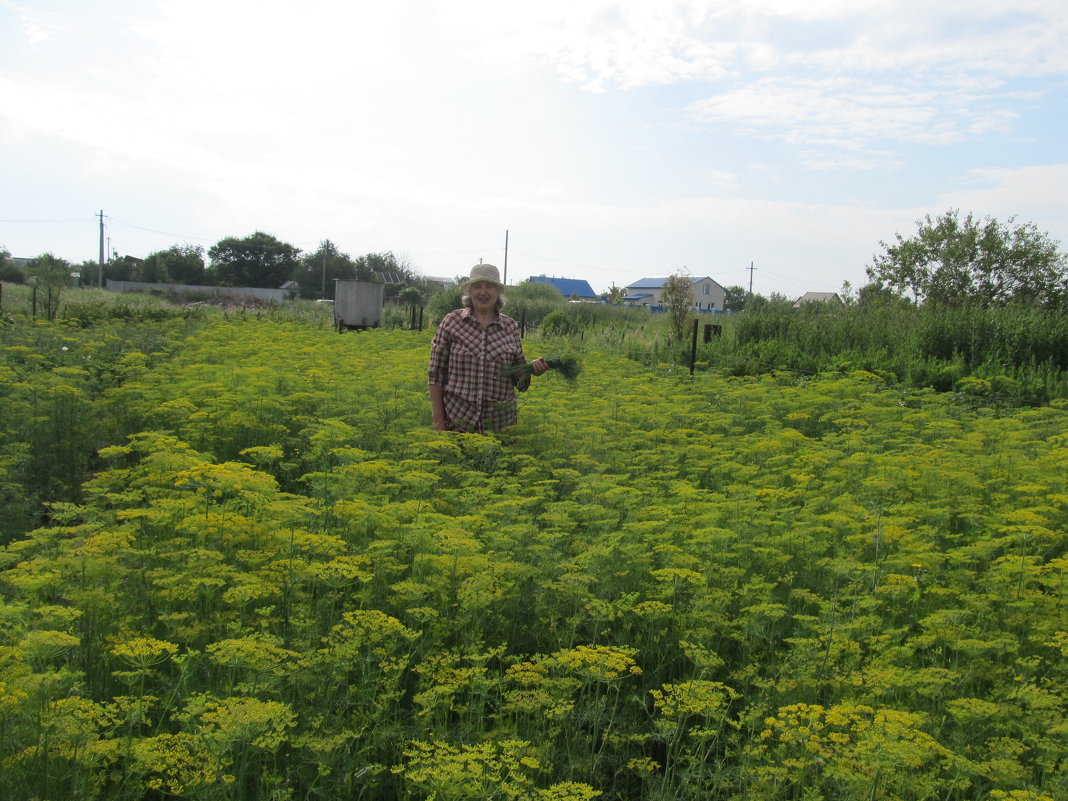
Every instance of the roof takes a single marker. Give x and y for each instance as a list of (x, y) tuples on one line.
[(656, 283), (567, 286), (819, 297)]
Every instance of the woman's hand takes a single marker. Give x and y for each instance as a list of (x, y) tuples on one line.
[(539, 366)]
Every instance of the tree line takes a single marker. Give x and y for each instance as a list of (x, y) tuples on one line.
[(257, 260), (951, 260)]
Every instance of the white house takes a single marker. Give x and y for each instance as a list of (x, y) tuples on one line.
[(707, 294)]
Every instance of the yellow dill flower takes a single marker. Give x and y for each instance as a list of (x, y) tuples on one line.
[(144, 652), (643, 765), (692, 698), (568, 791), (485, 770), (262, 724), (44, 645), (599, 662), (252, 654), (178, 764)]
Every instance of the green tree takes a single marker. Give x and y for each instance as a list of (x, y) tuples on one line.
[(677, 297), (8, 270), (51, 275), (384, 267), (182, 264), (444, 302), (319, 269), (531, 301), (615, 294), (116, 269), (410, 296), (395, 273), (953, 260), (876, 294), (734, 298), (258, 260)]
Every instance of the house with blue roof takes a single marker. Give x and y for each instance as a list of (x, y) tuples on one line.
[(708, 295), (570, 288)]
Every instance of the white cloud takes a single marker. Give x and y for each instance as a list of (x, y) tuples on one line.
[(1030, 194), (604, 45), (430, 128), (36, 27), (849, 112)]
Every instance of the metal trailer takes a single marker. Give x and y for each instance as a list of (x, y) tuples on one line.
[(357, 304)]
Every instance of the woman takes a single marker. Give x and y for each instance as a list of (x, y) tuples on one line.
[(472, 344)]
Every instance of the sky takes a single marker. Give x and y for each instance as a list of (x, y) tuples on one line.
[(777, 142)]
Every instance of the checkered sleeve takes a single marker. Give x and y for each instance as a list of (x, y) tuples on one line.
[(438, 369)]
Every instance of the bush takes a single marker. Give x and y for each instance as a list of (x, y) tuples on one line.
[(531, 302), (9, 272), (442, 303)]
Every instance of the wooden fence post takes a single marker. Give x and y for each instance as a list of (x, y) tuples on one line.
[(693, 346)]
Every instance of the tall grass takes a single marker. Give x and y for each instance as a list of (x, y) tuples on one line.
[(1018, 354)]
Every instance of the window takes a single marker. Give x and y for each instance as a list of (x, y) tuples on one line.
[(708, 288)]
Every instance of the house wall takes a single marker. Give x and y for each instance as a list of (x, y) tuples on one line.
[(708, 294)]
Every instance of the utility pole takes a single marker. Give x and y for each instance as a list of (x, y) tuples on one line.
[(751, 268), (100, 265), (505, 279)]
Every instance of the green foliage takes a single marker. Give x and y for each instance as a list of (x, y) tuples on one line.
[(734, 298), (280, 582), (258, 260), (410, 296), (952, 261), (1020, 348), (558, 324), (180, 264), (615, 294), (677, 297), (532, 301), (566, 364), (51, 275), (384, 267), (8, 270), (317, 271), (442, 303)]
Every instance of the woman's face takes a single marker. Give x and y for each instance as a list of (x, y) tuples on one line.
[(483, 295)]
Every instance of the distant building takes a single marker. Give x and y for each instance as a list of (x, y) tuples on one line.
[(439, 282), (707, 294), (570, 288), (819, 297)]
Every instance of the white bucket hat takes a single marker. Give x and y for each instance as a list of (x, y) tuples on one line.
[(483, 272)]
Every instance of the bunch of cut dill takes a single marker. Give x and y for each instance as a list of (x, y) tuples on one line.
[(566, 364)]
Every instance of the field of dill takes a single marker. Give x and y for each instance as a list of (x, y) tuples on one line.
[(279, 583)]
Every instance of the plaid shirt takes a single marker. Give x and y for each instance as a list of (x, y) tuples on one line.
[(466, 358)]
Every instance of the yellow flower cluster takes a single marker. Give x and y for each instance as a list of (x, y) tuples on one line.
[(487, 771), (253, 654), (599, 662), (144, 652), (263, 724), (568, 791), (178, 764), (42, 646), (703, 699)]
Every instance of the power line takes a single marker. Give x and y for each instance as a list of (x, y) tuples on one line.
[(122, 224), (52, 222)]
